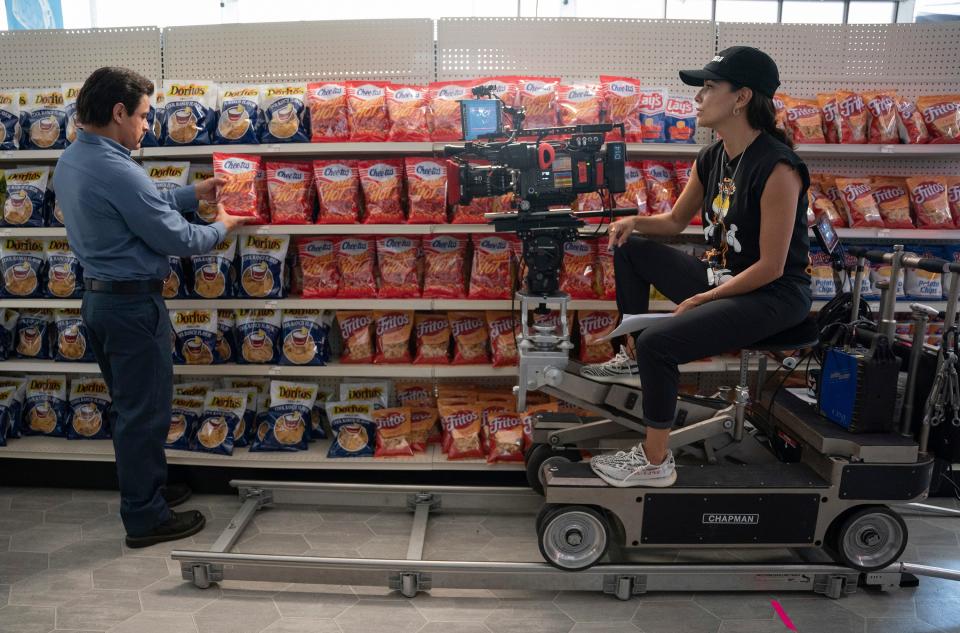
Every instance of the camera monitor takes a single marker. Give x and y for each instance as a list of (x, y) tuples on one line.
[(481, 117), (825, 233)]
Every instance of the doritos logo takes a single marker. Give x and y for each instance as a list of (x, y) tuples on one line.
[(196, 317), (24, 244), (189, 90), (227, 402), (24, 176), (264, 243), (169, 171), (284, 91), (49, 99), (294, 393), (86, 388)]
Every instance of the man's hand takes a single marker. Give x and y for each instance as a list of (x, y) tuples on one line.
[(619, 231), (206, 190), (696, 300), (229, 221)]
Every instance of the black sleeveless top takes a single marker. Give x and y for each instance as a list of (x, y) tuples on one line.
[(731, 224)]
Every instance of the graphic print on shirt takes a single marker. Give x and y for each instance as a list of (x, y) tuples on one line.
[(716, 222)]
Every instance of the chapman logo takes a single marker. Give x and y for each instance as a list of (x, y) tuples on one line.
[(851, 105), (238, 164), (382, 172), (330, 91), (429, 171), (351, 325), (166, 172), (466, 325), (651, 101), (391, 323), (337, 172), (452, 92), (198, 317), (369, 92), (291, 175), (888, 193), (443, 244), (623, 88), (680, 107), (295, 392), (927, 191), (802, 111), (853, 191), (189, 90), (407, 94), (354, 246), (731, 519), (939, 110), (319, 247)]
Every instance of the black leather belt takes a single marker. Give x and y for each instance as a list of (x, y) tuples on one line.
[(138, 287)]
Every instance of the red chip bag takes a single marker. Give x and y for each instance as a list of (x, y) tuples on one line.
[(953, 197), (443, 267), (852, 114), (829, 185), (606, 280), (394, 427), (530, 416), (910, 124), (238, 193), (636, 193), (444, 98), (382, 189), (355, 262), (338, 191), (397, 257), (661, 188), (318, 266), (472, 213), (578, 104), (579, 269), (462, 423), (621, 103), (941, 113), (682, 170), (490, 274), (469, 337), (327, 102), (893, 201), (290, 190), (263, 198), (831, 120), (505, 433), (503, 338), (426, 191), (780, 109), (859, 203), (882, 107), (595, 324), (393, 336), (424, 426), (931, 205), (803, 120), (367, 110), (408, 111), (820, 203), (410, 394), (356, 329), (539, 96), (432, 333)]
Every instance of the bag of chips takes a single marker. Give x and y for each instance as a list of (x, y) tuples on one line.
[(8, 331), (860, 205), (195, 336), (367, 111), (831, 118), (355, 261), (490, 275), (893, 201), (579, 269), (45, 122), (22, 260), (356, 329), (184, 417), (621, 104), (382, 191), (953, 197), (240, 117), (941, 113), (327, 102), (70, 92), (928, 194), (922, 284), (411, 394), (661, 188), (397, 258), (45, 407), (443, 267), (238, 194), (24, 201), (377, 392), (910, 123), (472, 213), (578, 104), (318, 265), (503, 329), (223, 412), (89, 407), (820, 203), (338, 191), (8, 408), (64, 276), (226, 337), (780, 111), (804, 123), (852, 117), (304, 337), (681, 120), (653, 114), (882, 106), (882, 273), (394, 328), (353, 429), (262, 263), (71, 337), (206, 211), (174, 285), (606, 279), (822, 284), (424, 424), (433, 339), (635, 195), (463, 424), (285, 114), (290, 189), (594, 325), (318, 416), (213, 272), (444, 98), (9, 120), (258, 336), (13, 405), (189, 112), (469, 337), (426, 191), (407, 108), (393, 432), (32, 338), (154, 134), (505, 433), (288, 419)]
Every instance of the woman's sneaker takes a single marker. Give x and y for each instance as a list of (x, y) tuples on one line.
[(619, 369), (632, 468)]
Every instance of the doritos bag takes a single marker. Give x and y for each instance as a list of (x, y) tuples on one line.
[(393, 432), (355, 262), (621, 104), (258, 336), (290, 190), (397, 258), (338, 191), (579, 269), (72, 345), (327, 102), (9, 120), (89, 407), (262, 263), (318, 265), (443, 267), (941, 113), (190, 112), (356, 330), (831, 120), (353, 429), (503, 328), (490, 275), (426, 190), (852, 114), (285, 114), (32, 337), (213, 272), (382, 191), (803, 120), (661, 188), (893, 201), (445, 97), (882, 107), (238, 194), (433, 340), (470, 338), (681, 120), (377, 392), (223, 412), (859, 202), (578, 104), (45, 406), (594, 325), (206, 211), (21, 261), (930, 203), (23, 203), (408, 112), (70, 92), (226, 337), (367, 111), (240, 116), (64, 274), (303, 337), (393, 336), (911, 125), (195, 336), (184, 417), (288, 418), (46, 119)]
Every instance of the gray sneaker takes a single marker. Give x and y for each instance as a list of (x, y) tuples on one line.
[(620, 369), (632, 468)]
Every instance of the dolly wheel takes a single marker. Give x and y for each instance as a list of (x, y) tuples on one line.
[(541, 456), (869, 538), (573, 538)]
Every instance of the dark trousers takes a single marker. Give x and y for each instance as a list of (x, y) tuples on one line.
[(712, 328), (130, 336)]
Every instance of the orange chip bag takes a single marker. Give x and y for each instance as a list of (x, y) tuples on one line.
[(327, 103), (539, 96), (910, 124), (407, 107), (621, 104), (393, 432), (858, 200), (505, 433), (426, 190), (780, 109), (941, 113), (490, 275), (893, 202), (423, 426), (831, 122), (318, 266), (953, 197), (882, 107), (820, 203), (503, 338), (290, 190), (828, 184), (397, 256), (661, 188), (367, 110), (928, 195), (338, 191), (636, 189), (356, 329), (462, 425), (238, 194), (382, 189), (393, 336), (578, 104), (433, 339), (579, 269), (355, 262), (410, 394), (444, 98), (469, 337), (594, 325), (606, 280), (443, 267), (263, 198), (852, 115), (472, 213), (803, 120)]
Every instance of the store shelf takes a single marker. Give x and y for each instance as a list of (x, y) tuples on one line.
[(874, 151), (296, 303), (231, 369)]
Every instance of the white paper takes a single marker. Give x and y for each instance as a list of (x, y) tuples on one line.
[(635, 323)]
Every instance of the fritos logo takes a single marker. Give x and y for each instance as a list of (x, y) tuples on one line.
[(351, 325), (432, 326), (391, 421), (939, 110), (596, 322), (801, 111), (502, 326), (853, 191), (461, 419), (927, 191), (500, 422), (465, 325), (887, 193), (851, 105), (391, 323)]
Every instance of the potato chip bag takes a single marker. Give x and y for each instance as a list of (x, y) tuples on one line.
[(470, 338), (189, 112), (327, 103), (831, 120), (443, 267), (195, 336), (503, 327), (444, 98), (290, 190), (661, 188), (338, 191), (530, 416), (606, 280), (922, 284), (24, 202), (356, 329), (539, 96), (206, 211), (167, 176), (393, 432), (941, 113), (594, 325), (64, 273), (382, 191), (318, 416), (882, 107), (931, 206), (780, 111), (258, 336), (893, 201), (433, 340), (70, 92), (417, 393), (21, 260), (45, 119), (71, 339), (352, 427), (822, 285), (184, 418), (32, 335), (9, 120), (318, 263), (225, 351), (426, 190), (579, 269), (578, 104), (463, 426), (953, 197), (377, 392), (355, 262), (407, 107), (505, 433), (860, 205), (8, 331), (304, 337), (213, 272), (240, 117), (636, 189), (820, 203), (803, 120), (472, 213), (828, 184), (621, 104), (852, 116), (285, 114), (490, 274), (45, 408), (367, 111), (882, 273), (393, 336), (397, 258), (288, 418), (88, 413), (910, 123), (238, 194), (653, 114), (223, 412), (681, 120), (424, 425)]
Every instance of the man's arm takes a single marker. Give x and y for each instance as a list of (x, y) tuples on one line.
[(183, 199)]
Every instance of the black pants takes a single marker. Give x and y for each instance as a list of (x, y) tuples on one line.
[(130, 336), (712, 328)]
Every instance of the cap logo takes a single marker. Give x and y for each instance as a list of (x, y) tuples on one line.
[(718, 58)]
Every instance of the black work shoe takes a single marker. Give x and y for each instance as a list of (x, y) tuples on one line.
[(176, 494), (181, 525)]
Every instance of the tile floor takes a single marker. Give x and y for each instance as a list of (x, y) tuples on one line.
[(63, 567)]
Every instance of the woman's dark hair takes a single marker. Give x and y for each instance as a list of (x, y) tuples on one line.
[(762, 115), (105, 88)]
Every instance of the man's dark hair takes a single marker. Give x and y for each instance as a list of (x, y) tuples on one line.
[(105, 88)]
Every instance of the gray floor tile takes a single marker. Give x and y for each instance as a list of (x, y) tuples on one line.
[(326, 603), (106, 496), (524, 608), (365, 592), (284, 544), (76, 512), (51, 588), (670, 618), (921, 531), (45, 538), (511, 524), (98, 609), (288, 519), (302, 625), (454, 609), (86, 555), (465, 553), (162, 550), (875, 604), (818, 614), (16, 566), (753, 626), (456, 627), (4, 595), (41, 499), (348, 515), (13, 521), (177, 595), (558, 623), (390, 547), (15, 619), (4, 543), (525, 594), (5, 503), (105, 528), (251, 589), (583, 606), (604, 627), (130, 572), (349, 535), (513, 549), (944, 614), (457, 535), (737, 606), (391, 524), (900, 625), (380, 615), (157, 622), (230, 614)]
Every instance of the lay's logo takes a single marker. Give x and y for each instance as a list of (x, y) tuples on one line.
[(337, 172), (651, 101), (680, 107), (927, 191)]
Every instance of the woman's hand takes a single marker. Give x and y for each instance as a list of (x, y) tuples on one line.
[(619, 231), (696, 300)]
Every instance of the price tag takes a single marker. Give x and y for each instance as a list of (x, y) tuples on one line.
[(6, 154), (887, 149), (270, 305), (274, 371)]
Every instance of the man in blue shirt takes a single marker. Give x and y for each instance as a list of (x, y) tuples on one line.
[(123, 230)]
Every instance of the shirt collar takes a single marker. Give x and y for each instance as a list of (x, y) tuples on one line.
[(103, 141)]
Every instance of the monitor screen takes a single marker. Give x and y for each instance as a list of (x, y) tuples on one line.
[(826, 234), (480, 117)]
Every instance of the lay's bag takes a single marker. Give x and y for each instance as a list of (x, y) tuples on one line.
[(681, 120)]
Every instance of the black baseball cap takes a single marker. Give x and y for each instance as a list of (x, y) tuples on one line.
[(742, 65)]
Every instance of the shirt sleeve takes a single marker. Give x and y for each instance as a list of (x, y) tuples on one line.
[(704, 165), (182, 198)]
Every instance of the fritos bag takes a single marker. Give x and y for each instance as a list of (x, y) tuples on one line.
[(579, 269), (539, 96), (382, 191), (852, 115), (578, 104), (433, 340), (393, 336), (189, 112), (893, 201), (238, 194), (621, 104), (393, 432), (503, 338), (426, 190), (953, 197), (941, 113), (594, 325), (829, 185), (505, 432), (930, 202), (397, 257), (284, 114), (408, 111), (469, 337), (661, 188), (411, 394), (356, 329), (367, 110), (882, 107), (445, 97), (424, 422), (820, 203), (355, 257), (911, 125), (490, 276), (803, 120), (290, 188), (859, 202), (606, 281), (462, 423), (318, 263), (443, 267), (636, 193), (338, 191), (831, 120), (240, 117), (327, 102)]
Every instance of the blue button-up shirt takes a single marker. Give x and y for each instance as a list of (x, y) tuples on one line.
[(119, 225)]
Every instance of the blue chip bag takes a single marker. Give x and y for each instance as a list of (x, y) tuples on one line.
[(867, 289), (318, 417), (154, 119), (9, 120), (286, 118), (242, 432), (258, 336), (353, 428), (921, 284), (72, 343), (64, 273), (262, 265), (213, 272), (8, 331), (881, 272), (32, 339), (46, 120), (288, 417), (222, 412), (19, 385), (304, 337), (652, 112), (184, 416), (89, 409), (226, 338), (53, 212), (195, 336), (240, 119), (70, 92), (189, 112), (681, 120), (175, 286), (8, 409), (26, 195), (45, 406), (822, 285), (951, 253)]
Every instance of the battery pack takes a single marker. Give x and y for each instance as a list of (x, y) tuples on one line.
[(858, 390)]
